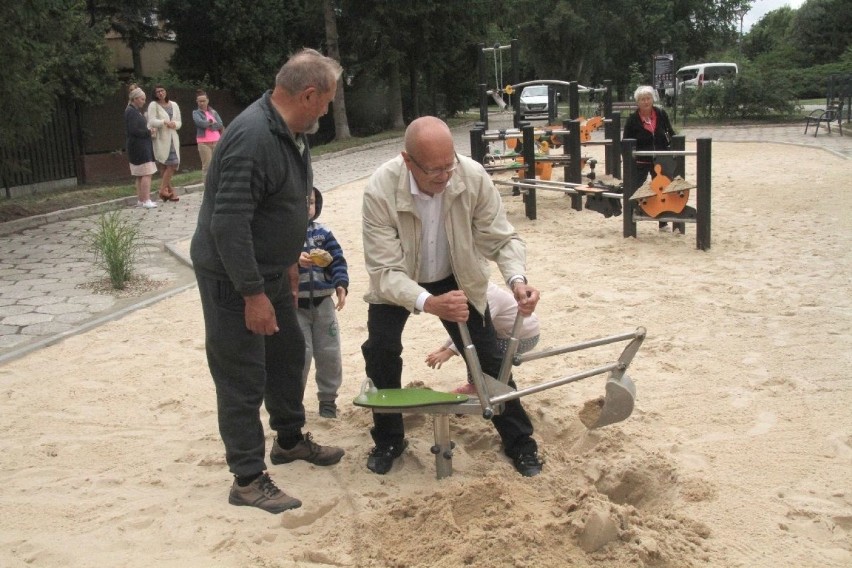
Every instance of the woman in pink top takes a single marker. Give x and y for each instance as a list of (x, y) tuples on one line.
[(209, 129)]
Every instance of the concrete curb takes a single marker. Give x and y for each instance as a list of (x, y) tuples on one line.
[(117, 314), (18, 225)]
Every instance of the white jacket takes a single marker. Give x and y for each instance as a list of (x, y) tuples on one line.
[(157, 118), (476, 225)]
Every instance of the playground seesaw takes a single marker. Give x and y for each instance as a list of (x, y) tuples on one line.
[(616, 405)]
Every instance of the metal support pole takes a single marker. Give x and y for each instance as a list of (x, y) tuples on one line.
[(443, 446)]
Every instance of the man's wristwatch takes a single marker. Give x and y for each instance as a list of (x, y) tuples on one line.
[(518, 278)]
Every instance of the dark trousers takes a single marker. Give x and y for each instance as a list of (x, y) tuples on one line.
[(249, 370), (383, 357)]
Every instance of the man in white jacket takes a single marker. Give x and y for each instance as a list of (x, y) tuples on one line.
[(431, 222)]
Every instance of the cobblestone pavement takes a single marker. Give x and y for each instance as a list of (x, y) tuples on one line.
[(45, 264)]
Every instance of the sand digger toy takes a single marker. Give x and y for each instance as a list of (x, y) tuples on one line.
[(616, 404)]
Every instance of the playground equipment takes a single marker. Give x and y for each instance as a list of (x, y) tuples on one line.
[(600, 197), (513, 154), (497, 92), (616, 405), (657, 201), (501, 87)]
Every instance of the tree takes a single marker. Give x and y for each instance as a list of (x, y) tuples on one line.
[(134, 20), (774, 30), (821, 29), (341, 124), (239, 44), (574, 41), (426, 69), (49, 53)]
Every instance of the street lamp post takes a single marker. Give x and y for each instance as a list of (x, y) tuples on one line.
[(741, 12)]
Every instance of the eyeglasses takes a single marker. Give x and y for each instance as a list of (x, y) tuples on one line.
[(437, 172)]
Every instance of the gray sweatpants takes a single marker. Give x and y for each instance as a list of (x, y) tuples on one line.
[(322, 344)]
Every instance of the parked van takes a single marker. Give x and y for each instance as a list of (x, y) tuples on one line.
[(694, 76)]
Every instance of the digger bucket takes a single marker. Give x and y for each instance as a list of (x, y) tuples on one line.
[(618, 402), (614, 407)]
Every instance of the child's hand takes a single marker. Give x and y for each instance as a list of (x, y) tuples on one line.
[(341, 297), (437, 358), (305, 260)]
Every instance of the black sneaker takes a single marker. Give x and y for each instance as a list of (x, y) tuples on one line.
[(263, 494), (528, 464), (307, 450), (381, 457)]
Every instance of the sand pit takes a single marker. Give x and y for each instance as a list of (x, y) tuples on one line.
[(739, 452)]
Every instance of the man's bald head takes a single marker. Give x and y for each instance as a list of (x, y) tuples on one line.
[(427, 130)]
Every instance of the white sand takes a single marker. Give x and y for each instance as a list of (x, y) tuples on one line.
[(739, 452)]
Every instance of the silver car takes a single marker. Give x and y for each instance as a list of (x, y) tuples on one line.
[(534, 100)]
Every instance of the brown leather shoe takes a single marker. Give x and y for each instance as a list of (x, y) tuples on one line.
[(307, 450), (263, 494)]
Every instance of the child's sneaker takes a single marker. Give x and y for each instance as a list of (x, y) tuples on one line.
[(327, 409)]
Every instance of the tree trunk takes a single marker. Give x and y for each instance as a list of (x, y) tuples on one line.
[(137, 61), (413, 87), (395, 97), (338, 107)]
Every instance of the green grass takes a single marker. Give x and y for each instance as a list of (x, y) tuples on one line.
[(115, 242)]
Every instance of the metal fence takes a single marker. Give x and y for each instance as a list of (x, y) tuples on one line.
[(51, 156), (86, 143)]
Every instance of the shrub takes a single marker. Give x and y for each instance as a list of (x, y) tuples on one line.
[(751, 94), (115, 241)]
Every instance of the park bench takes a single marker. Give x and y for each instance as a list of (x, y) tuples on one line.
[(833, 112)]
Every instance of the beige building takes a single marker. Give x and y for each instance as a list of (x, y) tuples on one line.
[(155, 55)]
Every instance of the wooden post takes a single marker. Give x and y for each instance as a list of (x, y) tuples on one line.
[(703, 169), (529, 164), (574, 169), (628, 146)]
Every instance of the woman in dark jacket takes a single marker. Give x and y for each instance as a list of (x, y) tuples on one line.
[(140, 149), (652, 130)]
